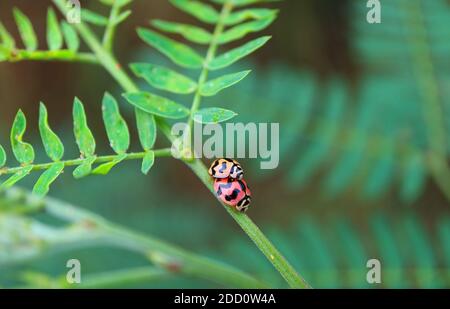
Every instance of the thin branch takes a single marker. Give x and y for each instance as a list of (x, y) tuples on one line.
[(108, 37), (211, 53), (17, 55), (166, 152)]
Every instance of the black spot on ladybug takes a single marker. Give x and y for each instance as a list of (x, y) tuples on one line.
[(233, 195)]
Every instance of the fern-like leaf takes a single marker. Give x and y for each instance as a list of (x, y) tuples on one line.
[(117, 132)]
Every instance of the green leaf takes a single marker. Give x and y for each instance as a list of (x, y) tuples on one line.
[(236, 54), (147, 162), (157, 105), (163, 78), (54, 35), (190, 33), (2, 156), (105, 168), (11, 181), (85, 168), (243, 15), (199, 10), (83, 135), (70, 36), (242, 30), (146, 125), (119, 3), (23, 152), (214, 86), (213, 115), (116, 127), (26, 30), (177, 52), (93, 18), (122, 17), (238, 3), (5, 38), (42, 186), (52, 144)]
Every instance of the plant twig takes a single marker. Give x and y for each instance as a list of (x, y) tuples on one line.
[(166, 152)]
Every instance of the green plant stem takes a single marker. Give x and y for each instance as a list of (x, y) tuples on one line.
[(210, 54), (60, 55), (166, 152), (115, 69), (108, 37), (256, 235)]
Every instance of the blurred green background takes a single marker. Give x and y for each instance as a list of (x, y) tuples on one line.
[(358, 104)]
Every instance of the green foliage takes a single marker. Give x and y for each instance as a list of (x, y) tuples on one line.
[(157, 105), (187, 57), (118, 135), (26, 30), (57, 34), (213, 87), (163, 78), (213, 115), (236, 54)]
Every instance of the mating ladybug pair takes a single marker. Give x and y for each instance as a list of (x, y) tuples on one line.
[(229, 185)]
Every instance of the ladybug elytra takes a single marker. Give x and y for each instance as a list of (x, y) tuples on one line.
[(233, 192)]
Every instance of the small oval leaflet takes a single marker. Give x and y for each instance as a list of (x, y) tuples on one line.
[(147, 162), (85, 168), (11, 181), (42, 186), (242, 30), (164, 78), (116, 127), (189, 32), (213, 115), (54, 35), (236, 54), (246, 14), (105, 168), (23, 152), (93, 18), (52, 144), (83, 135), (199, 10), (26, 30), (6, 38), (179, 53), (214, 86), (70, 36), (157, 105), (146, 125)]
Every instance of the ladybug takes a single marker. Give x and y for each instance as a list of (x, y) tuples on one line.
[(233, 192), (224, 168)]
